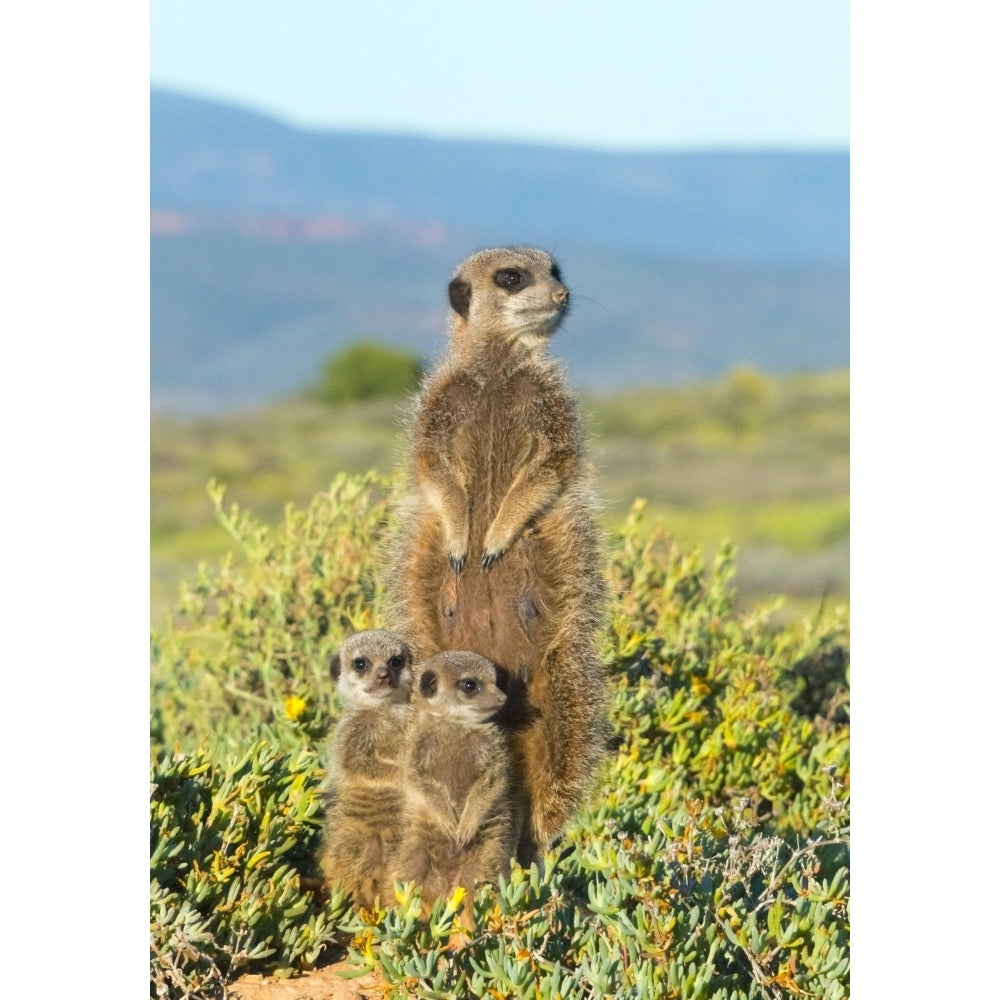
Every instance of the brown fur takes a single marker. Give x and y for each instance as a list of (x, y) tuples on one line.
[(460, 821), (498, 548), (364, 798)]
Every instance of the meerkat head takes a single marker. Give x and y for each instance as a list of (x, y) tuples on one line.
[(513, 292), (460, 685), (373, 668)]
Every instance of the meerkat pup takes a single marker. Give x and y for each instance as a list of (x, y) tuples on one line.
[(498, 549), (460, 819), (374, 674)]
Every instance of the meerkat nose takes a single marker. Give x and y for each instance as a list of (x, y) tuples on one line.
[(560, 296)]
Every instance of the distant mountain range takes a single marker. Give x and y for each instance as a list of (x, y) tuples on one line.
[(274, 246)]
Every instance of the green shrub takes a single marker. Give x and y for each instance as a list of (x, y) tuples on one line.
[(246, 653), (745, 400), (711, 859), (368, 371), (229, 842)]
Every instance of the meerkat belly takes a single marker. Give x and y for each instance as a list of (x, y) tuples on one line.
[(493, 449), (500, 613), (508, 614)]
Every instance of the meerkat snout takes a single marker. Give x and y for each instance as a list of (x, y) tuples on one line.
[(560, 296), (488, 696)]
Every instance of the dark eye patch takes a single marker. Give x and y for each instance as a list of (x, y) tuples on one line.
[(359, 664), (396, 662), (555, 272), (509, 279), (468, 685)]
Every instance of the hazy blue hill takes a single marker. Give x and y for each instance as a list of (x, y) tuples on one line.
[(277, 245), (756, 205)]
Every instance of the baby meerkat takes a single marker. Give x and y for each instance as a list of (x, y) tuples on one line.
[(374, 674), (461, 820), (498, 547)]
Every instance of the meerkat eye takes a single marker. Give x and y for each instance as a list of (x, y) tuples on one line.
[(360, 664), (396, 662), (509, 279), (468, 685)]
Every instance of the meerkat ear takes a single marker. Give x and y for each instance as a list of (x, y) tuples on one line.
[(335, 666), (428, 683), (460, 296)]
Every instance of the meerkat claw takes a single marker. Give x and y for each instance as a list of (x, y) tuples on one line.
[(490, 559), (457, 563)]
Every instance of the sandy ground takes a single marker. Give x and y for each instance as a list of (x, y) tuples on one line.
[(321, 984)]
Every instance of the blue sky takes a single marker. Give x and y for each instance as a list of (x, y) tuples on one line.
[(638, 74)]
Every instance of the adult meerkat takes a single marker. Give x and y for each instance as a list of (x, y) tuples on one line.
[(374, 674), (460, 819), (498, 550)]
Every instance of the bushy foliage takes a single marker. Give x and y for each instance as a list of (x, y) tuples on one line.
[(711, 859), (367, 370), (246, 653), (230, 841)]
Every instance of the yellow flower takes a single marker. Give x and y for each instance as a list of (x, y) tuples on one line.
[(294, 706), (456, 898)]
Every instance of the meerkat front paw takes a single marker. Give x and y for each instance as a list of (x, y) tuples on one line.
[(456, 545), (457, 550), (491, 558), (496, 544)]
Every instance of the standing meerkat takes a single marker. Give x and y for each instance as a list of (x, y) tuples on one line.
[(374, 674), (497, 549), (460, 820)]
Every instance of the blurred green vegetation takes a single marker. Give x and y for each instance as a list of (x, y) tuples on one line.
[(365, 370), (760, 461)]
